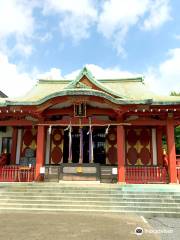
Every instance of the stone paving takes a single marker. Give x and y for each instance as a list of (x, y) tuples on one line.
[(169, 228), (72, 225)]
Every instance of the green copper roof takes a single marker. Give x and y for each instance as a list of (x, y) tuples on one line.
[(119, 91)]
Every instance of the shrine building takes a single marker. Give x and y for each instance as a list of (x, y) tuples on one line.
[(106, 130)]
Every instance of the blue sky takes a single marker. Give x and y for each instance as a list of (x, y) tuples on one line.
[(54, 39)]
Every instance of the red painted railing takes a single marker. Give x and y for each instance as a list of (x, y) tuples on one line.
[(146, 174), (178, 159), (178, 167), (14, 173), (178, 173)]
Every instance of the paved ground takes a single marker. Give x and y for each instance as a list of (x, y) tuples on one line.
[(169, 228), (76, 226)]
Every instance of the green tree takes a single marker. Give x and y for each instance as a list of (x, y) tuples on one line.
[(177, 129), (177, 137), (175, 93)]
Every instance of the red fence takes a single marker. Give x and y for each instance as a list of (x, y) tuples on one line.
[(146, 174), (178, 173), (178, 160), (178, 167), (16, 174)]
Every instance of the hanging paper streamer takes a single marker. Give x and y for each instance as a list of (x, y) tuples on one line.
[(81, 145), (107, 129), (50, 130), (70, 143), (91, 152)]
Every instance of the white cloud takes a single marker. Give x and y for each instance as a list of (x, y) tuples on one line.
[(159, 14), (16, 20), (76, 17), (161, 79), (118, 16), (103, 73), (74, 27), (23, 49), (52, 74), (112, 18), (177, 36), (46, 37), (13, 81), (166, 77)]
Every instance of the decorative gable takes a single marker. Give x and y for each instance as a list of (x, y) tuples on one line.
[(85, 80), (78, 85)]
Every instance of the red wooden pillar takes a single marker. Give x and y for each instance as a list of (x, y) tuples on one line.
[(14, 145), (159, 147), (171, 150), (40, 152), (121, 154)]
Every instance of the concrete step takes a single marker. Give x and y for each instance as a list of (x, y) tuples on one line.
[(71, 190), (87, 194), (100, 198), (129, 187), (89, 203), (88, 198), (92, 207), (85, 189)]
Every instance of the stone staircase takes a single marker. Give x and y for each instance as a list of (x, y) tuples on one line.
[(149, 200)]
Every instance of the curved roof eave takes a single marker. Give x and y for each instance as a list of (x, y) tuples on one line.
[(88, 92), (77, 92)]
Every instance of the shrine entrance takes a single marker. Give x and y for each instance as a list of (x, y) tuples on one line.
[(97, 146)]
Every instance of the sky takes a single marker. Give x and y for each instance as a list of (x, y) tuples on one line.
[(55, 39)]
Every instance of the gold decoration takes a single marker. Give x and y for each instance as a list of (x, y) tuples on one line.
[(79, 170), (57, 137)]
